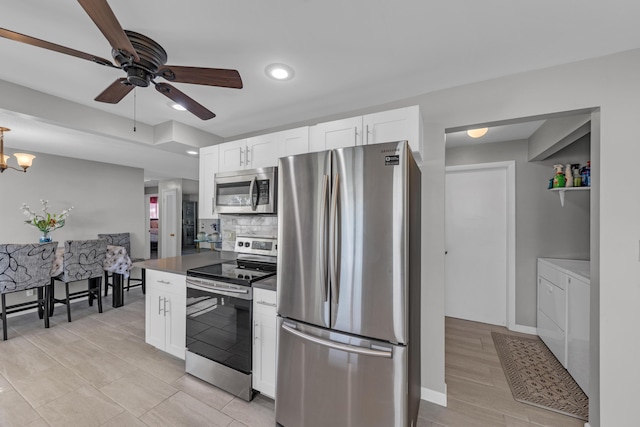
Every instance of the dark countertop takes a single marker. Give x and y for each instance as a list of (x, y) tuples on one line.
[(269, 283), (181, 264)]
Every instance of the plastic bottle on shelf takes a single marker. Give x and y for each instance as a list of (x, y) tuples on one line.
[(559, 178), (586, 175), (568, 176)]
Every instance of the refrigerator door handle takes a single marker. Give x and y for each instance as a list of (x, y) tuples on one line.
[(323, 250), (254, 206), (338, 346), (333, 226)]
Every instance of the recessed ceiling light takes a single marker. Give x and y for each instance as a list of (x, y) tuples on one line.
[(279, 72), (176, 106), (193, 153), (477, 133)]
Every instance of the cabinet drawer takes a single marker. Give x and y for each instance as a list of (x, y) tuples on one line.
[(166, 282), (264, 301), (553, 337), (552, 274), (552, 302)]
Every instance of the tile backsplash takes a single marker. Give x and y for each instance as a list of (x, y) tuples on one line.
[(246, 225)]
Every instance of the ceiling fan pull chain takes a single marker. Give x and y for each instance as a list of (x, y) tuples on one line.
[(135, 92)]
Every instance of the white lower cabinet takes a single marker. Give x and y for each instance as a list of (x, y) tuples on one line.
[(264, 341), (563, 314), (165, 312)]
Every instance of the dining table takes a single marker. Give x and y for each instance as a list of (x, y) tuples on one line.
[(117, 262)]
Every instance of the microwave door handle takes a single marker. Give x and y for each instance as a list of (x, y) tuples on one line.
[(323, 239), (254, 183)]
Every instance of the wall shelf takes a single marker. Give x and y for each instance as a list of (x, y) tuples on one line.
[(562, 190)]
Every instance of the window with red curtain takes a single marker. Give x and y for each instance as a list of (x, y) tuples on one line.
[(153, 207)]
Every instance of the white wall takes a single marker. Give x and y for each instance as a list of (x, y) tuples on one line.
[(106, 199), (543, 227)]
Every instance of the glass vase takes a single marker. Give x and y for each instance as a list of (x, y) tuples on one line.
[(44, 237)]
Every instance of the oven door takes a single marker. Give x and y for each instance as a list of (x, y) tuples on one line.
[(247, 191), (219, 324)]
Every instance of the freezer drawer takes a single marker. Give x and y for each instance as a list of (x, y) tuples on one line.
[(327, 378)]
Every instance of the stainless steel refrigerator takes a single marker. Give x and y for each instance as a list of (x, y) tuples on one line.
[(349, 288)]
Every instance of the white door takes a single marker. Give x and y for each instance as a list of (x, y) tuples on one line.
[(477, 242), (168, 245)]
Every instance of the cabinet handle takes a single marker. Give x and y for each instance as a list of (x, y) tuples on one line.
[(213, 205), (256, 329), (265, 303), (355, 135), (166, 282), (241, 150), (367, 134), (159, 309), (165, 307), (246, 156)]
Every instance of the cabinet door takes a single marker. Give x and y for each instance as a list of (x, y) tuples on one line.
[(232, 155), (294, 141), (337, 134), (176, 332), (208, 168), (262, 151), (578, 343), (154, 320), (393, 125), (264, 341)]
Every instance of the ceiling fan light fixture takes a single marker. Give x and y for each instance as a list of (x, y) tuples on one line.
[(178, 107), (192, 152), (477, 133), (279, 72)]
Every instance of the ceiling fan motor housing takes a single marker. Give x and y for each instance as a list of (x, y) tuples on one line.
[(151, 54)]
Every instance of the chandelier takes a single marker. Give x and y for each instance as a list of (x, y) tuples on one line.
[(24, 160)]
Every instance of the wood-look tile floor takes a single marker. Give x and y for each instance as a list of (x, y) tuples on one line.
[(98, 371), (478, 394)]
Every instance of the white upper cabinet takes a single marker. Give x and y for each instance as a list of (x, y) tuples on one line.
[(233, 156), (262, 151), (336, 134), (293, 141), (208, 168), (394, 125)]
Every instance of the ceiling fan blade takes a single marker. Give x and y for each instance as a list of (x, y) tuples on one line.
[(201, 76), (12, 35), (182, 99), (104, 18), (115, 92)]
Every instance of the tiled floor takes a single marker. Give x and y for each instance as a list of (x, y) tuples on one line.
[(98, 371)]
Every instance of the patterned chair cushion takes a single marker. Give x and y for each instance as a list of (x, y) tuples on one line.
[(120, 239), (83, 259), (25, 266)]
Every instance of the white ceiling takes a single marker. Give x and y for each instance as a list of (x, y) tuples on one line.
[(347, 55)]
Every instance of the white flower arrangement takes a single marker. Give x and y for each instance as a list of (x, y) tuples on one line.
[(46, 222)]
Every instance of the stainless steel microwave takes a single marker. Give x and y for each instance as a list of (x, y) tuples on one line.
[(249, 191)]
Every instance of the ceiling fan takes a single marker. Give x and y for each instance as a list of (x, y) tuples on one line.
[(141, 58)]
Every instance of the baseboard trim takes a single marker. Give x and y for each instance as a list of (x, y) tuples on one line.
[(433, 396), (524, 329)]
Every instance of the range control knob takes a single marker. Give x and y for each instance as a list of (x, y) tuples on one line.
[(240, 244)]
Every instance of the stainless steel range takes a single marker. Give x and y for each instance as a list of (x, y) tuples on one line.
[(219, 317)]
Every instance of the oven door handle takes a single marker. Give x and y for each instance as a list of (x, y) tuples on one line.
[(213, 289)]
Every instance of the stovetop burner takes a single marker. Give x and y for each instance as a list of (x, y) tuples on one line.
[(256, 260)]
